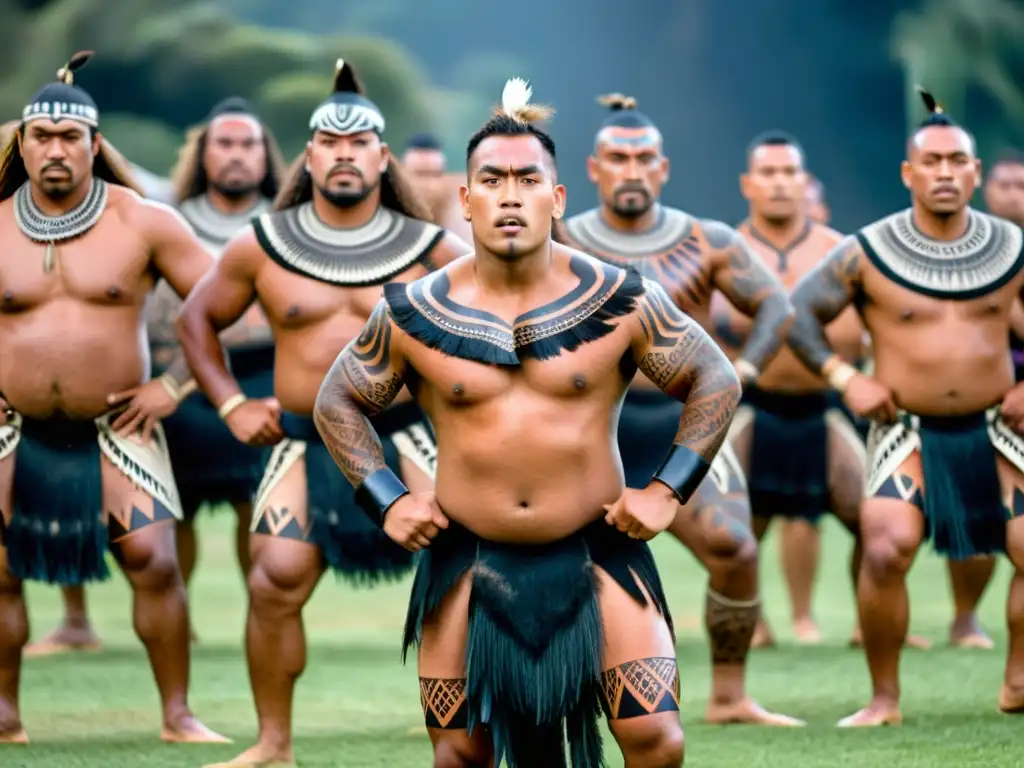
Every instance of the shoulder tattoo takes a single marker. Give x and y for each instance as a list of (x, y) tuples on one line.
[(740, 274)]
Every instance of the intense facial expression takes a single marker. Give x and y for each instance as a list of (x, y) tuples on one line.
[(1004, 191), (628, 169), (346, 169), (511, 195), (942, 171), (426, 171), (58, 156), (775, 182), (235, 157)]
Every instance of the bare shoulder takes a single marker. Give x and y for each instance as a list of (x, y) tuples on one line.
[(243, 250), (449, 248), (719, 235), (150, 216)]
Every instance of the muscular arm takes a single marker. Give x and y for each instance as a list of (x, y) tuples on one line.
[(181, 260), (364, 380), (750, 287), (818, 299), (218, 301), (680, 357)]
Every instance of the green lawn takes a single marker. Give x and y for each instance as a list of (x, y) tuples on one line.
[(357, 706)]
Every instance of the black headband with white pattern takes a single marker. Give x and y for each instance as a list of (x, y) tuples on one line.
[(346, 111), (63, 100)]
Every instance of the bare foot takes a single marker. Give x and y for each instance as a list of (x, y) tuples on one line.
[(874, 714), (806, 631), (763, 637), (967, 633), (913, 641), (259, 757), (748, 712), (188, 730), (65, 639), (14, 737), (1011, 701)]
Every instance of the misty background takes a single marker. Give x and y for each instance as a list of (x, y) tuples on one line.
[(838, 74)]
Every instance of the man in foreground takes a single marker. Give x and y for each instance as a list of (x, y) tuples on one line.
[(689, 258), (934, 285), (83, 462), (345, 222), (537, 596)]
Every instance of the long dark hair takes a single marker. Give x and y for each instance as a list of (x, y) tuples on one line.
[(396, 192), (189, 179), (108, 165)]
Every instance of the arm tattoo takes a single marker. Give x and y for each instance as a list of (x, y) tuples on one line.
[(819, 297), (753, 290), (364, 380), (677, 355)]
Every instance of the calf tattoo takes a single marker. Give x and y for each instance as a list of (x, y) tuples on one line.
[(684, 362), (752, 288), (818, 299), (444, 702), (730, 623), (641, 687), (363, 381)]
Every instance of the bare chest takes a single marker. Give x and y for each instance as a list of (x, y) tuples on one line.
[(107, 265)]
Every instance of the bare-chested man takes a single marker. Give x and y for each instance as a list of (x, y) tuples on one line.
[(83, 461), (537, 599), (1004, 197), (228, 172), (933, 285), (424, 159), (801, 453), (345, 222), (689, 258)]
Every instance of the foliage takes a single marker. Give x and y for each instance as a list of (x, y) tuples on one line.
[(161, 64)]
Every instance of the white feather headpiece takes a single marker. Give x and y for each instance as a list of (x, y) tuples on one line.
[(515, 97)]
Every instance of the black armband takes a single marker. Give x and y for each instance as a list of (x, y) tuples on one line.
[(378, 492), (682, 471)]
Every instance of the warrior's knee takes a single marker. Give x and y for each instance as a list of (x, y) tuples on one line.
[(655, 741), (735, 548), (275, 589), (887, 558), (12, 612), (152, 569), (451, 754)]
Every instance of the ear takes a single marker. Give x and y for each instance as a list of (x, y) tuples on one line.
[(592, 173), (19, 138), (308, 153), (464, 202), (559, 194), (979, 177), (385, 157), (745, 185), (664, 169), (97, 142), (905, 171)]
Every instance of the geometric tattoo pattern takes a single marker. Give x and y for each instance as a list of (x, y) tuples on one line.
[(641, 687), (899, 485), (444, 702)]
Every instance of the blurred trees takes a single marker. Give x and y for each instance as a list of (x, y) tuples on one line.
[(161, 64), (967, 53)]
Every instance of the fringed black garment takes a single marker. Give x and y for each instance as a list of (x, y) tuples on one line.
[(57, 533), (425, 311), (963, 507), (788, 474), (210, 464), (533, 654)]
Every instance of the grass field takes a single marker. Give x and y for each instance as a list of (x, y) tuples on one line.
[(357, 707)]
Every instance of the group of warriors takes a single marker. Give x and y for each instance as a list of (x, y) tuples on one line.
[(380, 378)]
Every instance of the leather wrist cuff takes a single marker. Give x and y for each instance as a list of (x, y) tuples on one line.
[(682, 471), (378, 492)]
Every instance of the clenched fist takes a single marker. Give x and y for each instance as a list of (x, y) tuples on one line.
[(414, 520), (870, 399), (643, 514)]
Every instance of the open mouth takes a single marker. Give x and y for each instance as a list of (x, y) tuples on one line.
[(511, 225)]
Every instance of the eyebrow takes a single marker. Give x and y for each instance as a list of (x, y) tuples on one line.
[(493, 170)]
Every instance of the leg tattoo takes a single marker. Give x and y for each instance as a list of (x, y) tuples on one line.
[(444, 702), (731, 625), (641, 687)]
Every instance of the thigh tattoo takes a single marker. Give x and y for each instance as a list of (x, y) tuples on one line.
[(641, 687), (444, 702)]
